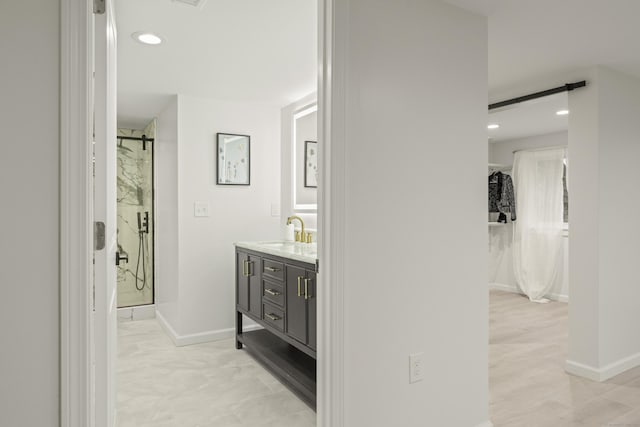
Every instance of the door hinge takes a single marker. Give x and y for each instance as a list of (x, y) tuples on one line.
[(99, 234), (99, 7)]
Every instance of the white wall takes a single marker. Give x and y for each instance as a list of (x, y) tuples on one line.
[(166, 218), (29, 176), (501, 273), (605, 285), (415, 267), (286, 124), (202, 292), (502, 152)]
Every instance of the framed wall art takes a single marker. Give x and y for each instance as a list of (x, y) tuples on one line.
[(311, 164), (233, 159)]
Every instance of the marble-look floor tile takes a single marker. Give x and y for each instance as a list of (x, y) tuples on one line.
[(205, 385)]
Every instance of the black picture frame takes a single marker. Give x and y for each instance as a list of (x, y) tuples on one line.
[(222, 174), (308, 166)]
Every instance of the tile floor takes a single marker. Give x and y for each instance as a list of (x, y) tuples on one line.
[(205, 385), (527, 381), (213, 385)]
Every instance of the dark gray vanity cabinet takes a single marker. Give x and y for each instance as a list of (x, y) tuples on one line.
[(301, 305), (280, 295), (249, 287), (312, 312)]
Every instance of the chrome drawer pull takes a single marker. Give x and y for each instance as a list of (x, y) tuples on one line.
[(273, 317), (272, 292), (272, 269)]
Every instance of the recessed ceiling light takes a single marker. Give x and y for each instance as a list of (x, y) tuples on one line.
[(146, 37), (493, 126), (562, 112)]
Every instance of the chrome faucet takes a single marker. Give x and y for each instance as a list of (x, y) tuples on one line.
[(301, 236)]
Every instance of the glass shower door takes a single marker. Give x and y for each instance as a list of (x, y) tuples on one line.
[(135, 217)]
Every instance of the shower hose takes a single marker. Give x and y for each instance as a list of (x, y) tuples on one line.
[(141, 250)]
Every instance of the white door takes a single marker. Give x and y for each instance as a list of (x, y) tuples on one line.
[(105, 286)]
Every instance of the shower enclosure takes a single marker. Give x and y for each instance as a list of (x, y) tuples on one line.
[(135, 216)]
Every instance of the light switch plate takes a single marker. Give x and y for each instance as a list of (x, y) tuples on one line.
[(416, 367), (201, 209), (275, 209)]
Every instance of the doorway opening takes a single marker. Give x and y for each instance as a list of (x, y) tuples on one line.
[(136, 230), (528, 255), (213, 111)]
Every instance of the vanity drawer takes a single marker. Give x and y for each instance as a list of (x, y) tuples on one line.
[(273, 316), (273, 269), (273, 292)]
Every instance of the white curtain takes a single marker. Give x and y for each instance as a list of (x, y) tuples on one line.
[(537, 237)]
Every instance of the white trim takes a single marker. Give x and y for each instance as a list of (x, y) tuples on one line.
[(485, 424), (166, 326), (201, 337), (332, 27), (580, 370), (76, 216), (604, 373), (139, 312), (515, 290)]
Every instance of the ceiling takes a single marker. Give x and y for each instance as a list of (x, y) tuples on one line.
[(535, 117), (531, 39), (539, 44), (265, 51), (238, 50)]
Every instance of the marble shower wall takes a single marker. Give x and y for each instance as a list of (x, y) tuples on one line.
[(135, 194)]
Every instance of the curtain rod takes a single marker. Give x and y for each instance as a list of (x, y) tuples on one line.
[(566, 88), (555, 147)]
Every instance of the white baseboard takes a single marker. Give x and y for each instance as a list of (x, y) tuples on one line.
[(515, 290), (141, 312), (604, 373), (485, 424), (201, 337)]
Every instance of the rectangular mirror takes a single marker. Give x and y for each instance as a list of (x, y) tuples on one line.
[(305, 159), (234, 159)]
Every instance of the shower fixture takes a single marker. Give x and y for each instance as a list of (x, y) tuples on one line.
[(143, 231), (143, 225)]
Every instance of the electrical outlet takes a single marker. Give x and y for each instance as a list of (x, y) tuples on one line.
[(416, 368), (201, 209)]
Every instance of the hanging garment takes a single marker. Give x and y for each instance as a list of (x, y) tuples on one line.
[(537, 237), (502, 196)]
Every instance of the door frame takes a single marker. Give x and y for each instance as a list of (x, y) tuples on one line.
[(76, 213), (332, 16)]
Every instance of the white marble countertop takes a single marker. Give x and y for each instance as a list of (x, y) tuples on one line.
[(305, 252)]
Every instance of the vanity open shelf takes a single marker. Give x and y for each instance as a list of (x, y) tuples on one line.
[(276, 288)]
